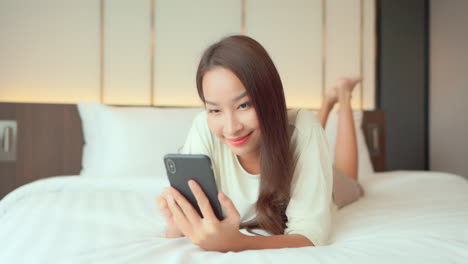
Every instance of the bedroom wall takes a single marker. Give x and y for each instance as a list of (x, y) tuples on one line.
[(449, 87), (145, 52), (402, 81)]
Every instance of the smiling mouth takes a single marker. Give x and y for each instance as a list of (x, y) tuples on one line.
[(239, 141)]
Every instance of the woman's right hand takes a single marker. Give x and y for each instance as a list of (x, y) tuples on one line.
[(172, 229)]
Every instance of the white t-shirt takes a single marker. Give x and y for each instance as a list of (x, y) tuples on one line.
[(310, 208)]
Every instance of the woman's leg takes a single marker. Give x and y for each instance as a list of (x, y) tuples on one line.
[(346, 155), (329, 100), (346, 188)]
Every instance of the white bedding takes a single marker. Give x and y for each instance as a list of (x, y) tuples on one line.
[(405, 217)]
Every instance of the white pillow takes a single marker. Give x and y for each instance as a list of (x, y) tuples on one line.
[(92, 149), (365, 168), (131, 141)]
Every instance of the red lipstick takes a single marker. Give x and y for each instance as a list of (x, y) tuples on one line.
[(239, 141)]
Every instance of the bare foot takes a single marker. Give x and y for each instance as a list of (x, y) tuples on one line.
[(341, 90), (347, 83), (331, 96), (345, 87)]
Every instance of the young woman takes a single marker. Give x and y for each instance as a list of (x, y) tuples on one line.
[(272, 165)]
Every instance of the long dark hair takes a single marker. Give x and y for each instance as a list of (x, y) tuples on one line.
[(250, 62)]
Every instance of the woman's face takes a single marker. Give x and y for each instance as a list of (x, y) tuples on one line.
[(231, 116)]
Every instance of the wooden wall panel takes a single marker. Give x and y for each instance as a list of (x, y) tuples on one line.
[(151, 48), (127, 35), (7, 168), (374, 126), (369, 47), (183, 30), (343, 40), (49, 143), (292, 33), (49, 50)]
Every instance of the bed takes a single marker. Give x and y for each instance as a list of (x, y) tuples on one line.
[(107, 212)]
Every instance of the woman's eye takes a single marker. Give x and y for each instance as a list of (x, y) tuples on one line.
[(244, 105), (214, 111)]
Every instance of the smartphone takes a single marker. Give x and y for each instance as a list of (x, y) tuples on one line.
[(181, 168)]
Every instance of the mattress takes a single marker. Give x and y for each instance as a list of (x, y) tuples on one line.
[(404, 217)]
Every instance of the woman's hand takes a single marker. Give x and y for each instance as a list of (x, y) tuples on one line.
[(208, 232), (172, 229)]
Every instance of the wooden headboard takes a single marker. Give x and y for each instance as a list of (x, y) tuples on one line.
[(50, 142)]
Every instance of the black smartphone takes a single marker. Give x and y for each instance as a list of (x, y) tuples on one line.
[(181, 168)]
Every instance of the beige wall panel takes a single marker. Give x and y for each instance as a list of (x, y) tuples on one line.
[(291, 32), (369, 49), (127, 30), (343, 43), (49, 50), (183, 30)]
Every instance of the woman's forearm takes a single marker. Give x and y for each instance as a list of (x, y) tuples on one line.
[(246, 242)]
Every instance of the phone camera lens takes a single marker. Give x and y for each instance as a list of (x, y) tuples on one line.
[(171, 166)]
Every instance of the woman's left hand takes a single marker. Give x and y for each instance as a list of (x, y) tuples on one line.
[(208, 232)]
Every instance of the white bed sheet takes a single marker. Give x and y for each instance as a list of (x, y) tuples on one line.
[(405, 217)]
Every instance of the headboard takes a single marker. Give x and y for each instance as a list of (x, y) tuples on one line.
[(50, 142)]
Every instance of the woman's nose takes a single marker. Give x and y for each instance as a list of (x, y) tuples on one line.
[(232, 126)]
